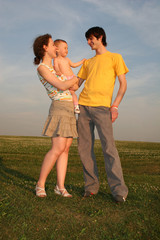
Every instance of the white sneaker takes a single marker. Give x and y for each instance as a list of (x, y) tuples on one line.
[(76, 109)]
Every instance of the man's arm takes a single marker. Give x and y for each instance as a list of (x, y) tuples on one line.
[(121, 91), (80, 81)]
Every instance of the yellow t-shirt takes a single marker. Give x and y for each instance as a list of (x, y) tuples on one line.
[(100, 73)]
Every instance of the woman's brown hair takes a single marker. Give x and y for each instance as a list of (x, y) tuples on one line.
[(38, 49)]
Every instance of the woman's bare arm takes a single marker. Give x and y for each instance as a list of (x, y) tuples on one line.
[(54, 81)]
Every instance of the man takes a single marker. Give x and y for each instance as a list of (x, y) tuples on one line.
[(95, 99)]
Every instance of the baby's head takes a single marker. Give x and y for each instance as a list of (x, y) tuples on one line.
[(62, 47)]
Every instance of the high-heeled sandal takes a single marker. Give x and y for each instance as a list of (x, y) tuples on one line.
[(40, 192), (63, 192)]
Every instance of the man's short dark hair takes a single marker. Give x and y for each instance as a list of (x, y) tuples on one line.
[(97, 32)]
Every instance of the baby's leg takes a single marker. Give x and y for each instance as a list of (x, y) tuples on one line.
[(74, 96), (75, 102)]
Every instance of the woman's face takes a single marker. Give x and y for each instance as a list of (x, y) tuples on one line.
[(51, 48)]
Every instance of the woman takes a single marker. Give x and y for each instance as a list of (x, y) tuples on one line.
[(61, 122)]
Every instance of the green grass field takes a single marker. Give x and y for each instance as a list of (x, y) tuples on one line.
[(26, 217)]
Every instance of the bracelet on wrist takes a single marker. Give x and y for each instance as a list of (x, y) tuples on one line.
[(116, 107)]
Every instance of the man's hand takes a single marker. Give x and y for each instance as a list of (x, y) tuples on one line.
[(118, 99), (114, 113)]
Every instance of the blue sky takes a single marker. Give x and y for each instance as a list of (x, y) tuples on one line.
[(133, 30)]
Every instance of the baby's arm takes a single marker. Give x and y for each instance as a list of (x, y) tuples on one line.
[(77, 64), (56, 67)]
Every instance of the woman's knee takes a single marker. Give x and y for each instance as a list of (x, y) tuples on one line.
[(68, 144), (66, 150), (57, 151), (61, 146)]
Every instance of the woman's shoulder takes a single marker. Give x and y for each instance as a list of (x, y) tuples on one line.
[(44, 66)]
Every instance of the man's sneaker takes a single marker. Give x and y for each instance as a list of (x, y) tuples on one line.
[(88, 194), (119, 198), (76, 109)]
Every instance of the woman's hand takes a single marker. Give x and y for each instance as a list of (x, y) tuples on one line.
[(75, 86), (58, 73)]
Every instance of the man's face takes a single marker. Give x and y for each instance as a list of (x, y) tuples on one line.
[(94, 43)]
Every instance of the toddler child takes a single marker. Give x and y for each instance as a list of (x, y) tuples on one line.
[(63, 64)]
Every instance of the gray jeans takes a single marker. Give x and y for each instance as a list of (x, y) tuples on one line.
[(100, 117)]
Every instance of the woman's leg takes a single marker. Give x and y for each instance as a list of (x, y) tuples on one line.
[(61, 164), (58, 147)]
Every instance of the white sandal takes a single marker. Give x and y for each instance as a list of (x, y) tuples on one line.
[(63, 192), (40, 192)]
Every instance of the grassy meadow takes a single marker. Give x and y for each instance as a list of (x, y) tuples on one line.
[(26, 217)]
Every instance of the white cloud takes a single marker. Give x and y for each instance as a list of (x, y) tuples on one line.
[(55, 12), (145, 75), (142, 16)]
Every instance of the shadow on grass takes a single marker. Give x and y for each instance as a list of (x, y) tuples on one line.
[(11, 176), (79, 192), (14, 177)]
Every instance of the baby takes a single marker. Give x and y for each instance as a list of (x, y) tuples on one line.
[(63, 64)]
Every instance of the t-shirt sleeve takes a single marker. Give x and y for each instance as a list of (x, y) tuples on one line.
[(83, 71), (120, 66)]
